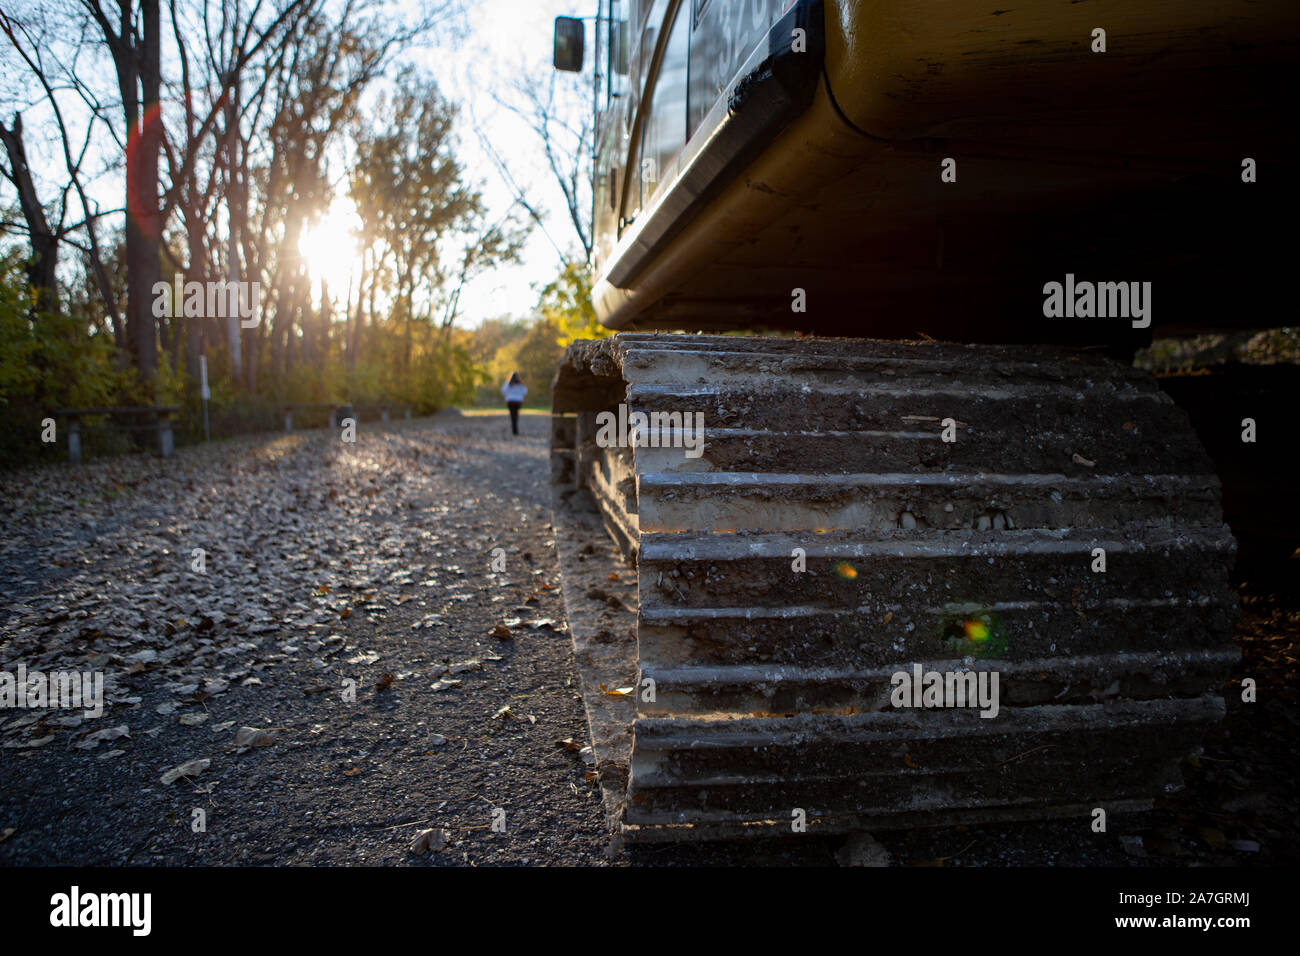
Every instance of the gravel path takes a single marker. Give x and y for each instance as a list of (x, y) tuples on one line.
[(324, 563), (387, 679)]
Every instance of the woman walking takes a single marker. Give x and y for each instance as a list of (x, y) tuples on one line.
[(514, 391)]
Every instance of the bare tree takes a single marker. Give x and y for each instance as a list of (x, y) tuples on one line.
[(44, 239), (558, 111)]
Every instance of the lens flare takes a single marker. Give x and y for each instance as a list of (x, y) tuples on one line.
[(973, 631)]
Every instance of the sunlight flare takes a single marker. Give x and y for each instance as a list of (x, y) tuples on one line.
[(329, 246)]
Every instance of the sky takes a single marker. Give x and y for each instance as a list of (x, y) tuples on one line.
[(504, 35)]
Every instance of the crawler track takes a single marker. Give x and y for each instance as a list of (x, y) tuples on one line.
[(772, 685)]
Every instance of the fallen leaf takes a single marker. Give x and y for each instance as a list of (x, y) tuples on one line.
[(428, 841), (385, 681), (617, 691), (254, 737), (91, 741), (505, 711), (1080, 460), (501, 632), (191, 768), (568, 743), (546, 623)]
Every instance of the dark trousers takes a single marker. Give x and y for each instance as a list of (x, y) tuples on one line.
[(514, 415)]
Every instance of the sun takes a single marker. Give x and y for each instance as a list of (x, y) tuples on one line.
[(329, 247)]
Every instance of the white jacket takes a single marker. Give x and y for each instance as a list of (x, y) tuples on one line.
[(514, 393)]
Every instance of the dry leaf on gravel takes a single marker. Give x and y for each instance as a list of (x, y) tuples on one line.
[(254, 737), (90, 741), (428, 841), (191, 768), (505, 711)]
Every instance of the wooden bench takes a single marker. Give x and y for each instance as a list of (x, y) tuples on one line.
[(158, 421)]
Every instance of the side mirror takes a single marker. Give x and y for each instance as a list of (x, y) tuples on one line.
[(569, 39)]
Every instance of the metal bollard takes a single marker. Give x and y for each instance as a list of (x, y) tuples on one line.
[(165, 437)]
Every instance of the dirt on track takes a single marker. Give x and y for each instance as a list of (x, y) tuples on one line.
[(326, 563)]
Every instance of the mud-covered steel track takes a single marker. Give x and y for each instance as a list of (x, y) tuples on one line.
[(860, 507)]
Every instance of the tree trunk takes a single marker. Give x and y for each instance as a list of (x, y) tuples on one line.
[(45, 245), (144, 216)]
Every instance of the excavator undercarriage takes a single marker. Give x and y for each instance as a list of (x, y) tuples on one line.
[(898, 583)]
